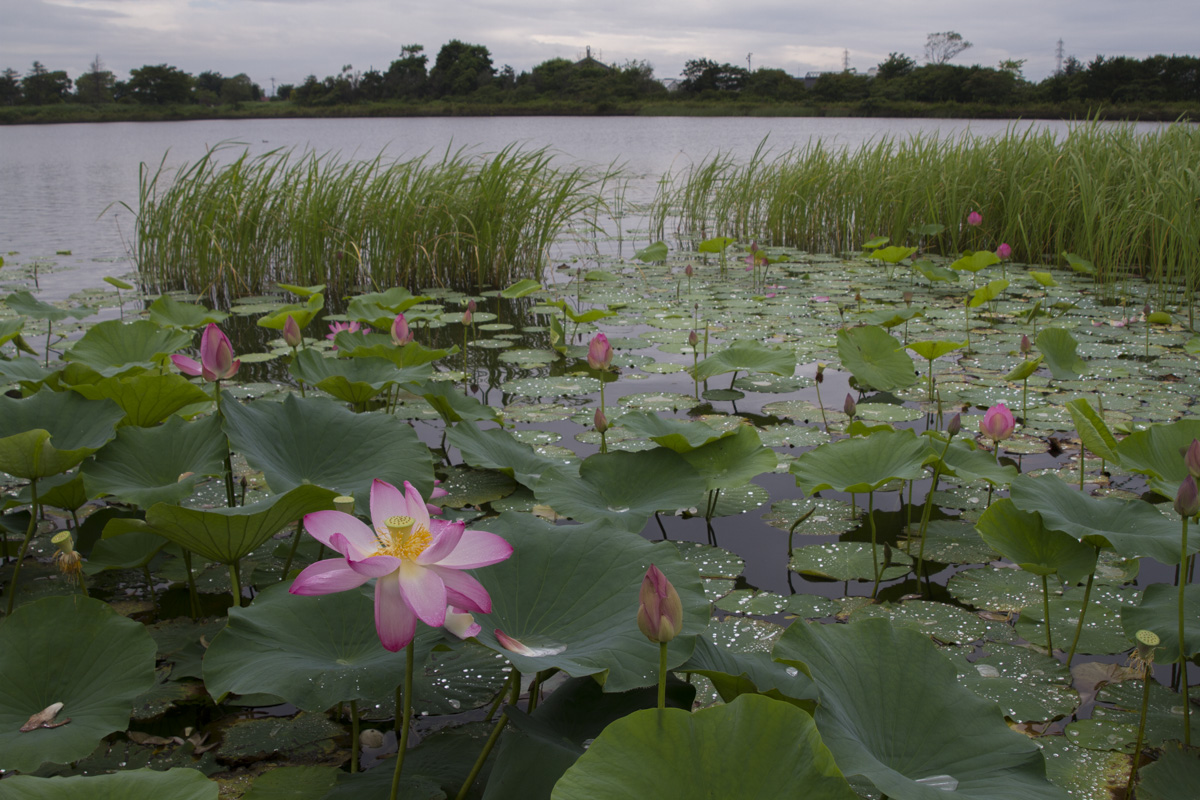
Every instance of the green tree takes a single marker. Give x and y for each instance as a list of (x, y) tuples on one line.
[(407, 76), (774, 84), (42, 87), (941, 47), (160, 85), (96, 85), (896, 65), (240, 89), (10, 87), (460, 69), (704, 75)]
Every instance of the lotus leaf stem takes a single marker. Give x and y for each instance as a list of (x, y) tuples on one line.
[(1183, 661), (662, 676), (1046, 612), (33, 515), (1087, 593), (235, 583), (193, 594), (287, 565), (487, 746), (149, 589), (874, 548), (354, 736), (403, 720)]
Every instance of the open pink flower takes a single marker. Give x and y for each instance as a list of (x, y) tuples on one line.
[(352, 327), (216, 357), (974, 218), (417, 562)]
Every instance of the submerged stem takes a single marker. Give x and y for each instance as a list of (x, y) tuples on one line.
[(1183, 661), (33, 515), (354, 736), (1087, 593), (1046, 611), (489, 744)]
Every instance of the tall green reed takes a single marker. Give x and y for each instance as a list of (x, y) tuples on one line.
[(464, 221)]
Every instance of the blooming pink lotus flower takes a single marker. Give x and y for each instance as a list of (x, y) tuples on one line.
[(401, 333), (417, 562), (461, 623), (997, 423), (351, 327), (600, 352), (1004, 251), (974, 218), (216, 357), (660, 611)]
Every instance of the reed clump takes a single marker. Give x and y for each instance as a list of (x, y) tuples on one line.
[(464, 221), (1122, 198)]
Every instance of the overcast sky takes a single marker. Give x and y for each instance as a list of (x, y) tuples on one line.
[(289, 39)]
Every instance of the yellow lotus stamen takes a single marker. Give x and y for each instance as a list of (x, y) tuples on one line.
[(403, 538), (67, 559)]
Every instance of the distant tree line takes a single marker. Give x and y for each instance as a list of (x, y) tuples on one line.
[(466, 71)]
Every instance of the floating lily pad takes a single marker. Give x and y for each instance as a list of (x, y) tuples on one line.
[(847, 561), (943, 623), (178, 784), (564, 386), (996, 589), (1114, 721), (1029, 686), (305, 736)]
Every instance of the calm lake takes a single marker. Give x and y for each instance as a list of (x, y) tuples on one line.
[(75, 187)]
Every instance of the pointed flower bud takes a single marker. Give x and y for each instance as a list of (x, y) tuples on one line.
[(401, 333), (820, 372), (908, 296), (850, 407), (600, 352), (1004, 251), (974, 218), (291, 332), (660, 611), (467, 317), (688, 270), (955, 425), (997, 423), (1026, 345), (693, 339), (216, 357), (601, 421), (1187, 500), (471, 306), (1191, 457)]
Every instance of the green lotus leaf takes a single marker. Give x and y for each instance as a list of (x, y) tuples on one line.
[(312, 441), (1026, 368), (933, 272), (313, 652), (147, 399), (1058, 346), (973, 262), (591, 315), (985, 294), (623, 489), (303, 291), (1028, 686), (1022, 538), (572, 596), (875, 358), (894, 254), (1172, 776), (395, 301), (1044, 278), (746, 355), (144, 466), (71, 650), (928, 229), (27, 305), (521, 288), (1157, 452), (1092, 429), (113, 347), (65, 491), (352, 380), (29, 372), (849, 561), (1079, 264), (715, 245), (892, 711), (173, 314), (1158, 611), (497, 449), (452, 404), (302, 313), (752, 747), (654, 252), (227, 534), (1133, 528), (50, 432), (674, 434), (410, 356), (934, 348), (733, 674), (129, 547), (10, 329), (178, 783), (732, 460), (861, 464), (876, 242), (963, 461), (891, 317), (538, 748)]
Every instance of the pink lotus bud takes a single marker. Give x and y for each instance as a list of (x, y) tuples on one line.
[(1192, 459), (997, 423), (908, 296), (955, 425), (471, 306), (693, 339), (1004, 252), (600, 352), (466, 317), (974, 218), (1026, 345), (401, 334), (600, 421), (216, 357), (688, 270), (850, 407), (660, 611), (1187, 500), (291, 332)]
